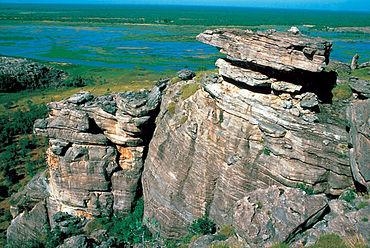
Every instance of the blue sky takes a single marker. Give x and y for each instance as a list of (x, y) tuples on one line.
[(356, 5)]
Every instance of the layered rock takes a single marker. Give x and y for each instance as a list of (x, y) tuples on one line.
[(358, 117), (97, 147), (279, 50), (246, 129), (232, 144)]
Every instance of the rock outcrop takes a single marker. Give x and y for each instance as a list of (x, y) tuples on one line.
[(19, 74), (279, 50), (237, 135), (97, 147)]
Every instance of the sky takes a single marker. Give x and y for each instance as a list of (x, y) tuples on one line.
[(349, 5)]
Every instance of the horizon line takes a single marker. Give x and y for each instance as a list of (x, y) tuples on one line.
[(189, 5)]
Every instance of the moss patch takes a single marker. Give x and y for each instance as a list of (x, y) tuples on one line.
[(183, 119), (341, 92), (171, 108), (188, 90)]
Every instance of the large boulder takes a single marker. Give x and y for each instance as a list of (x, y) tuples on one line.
[(283, 50)]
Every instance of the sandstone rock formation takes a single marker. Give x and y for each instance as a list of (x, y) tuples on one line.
[(358, 116), (280, 50), (97, 147), (235, 136)]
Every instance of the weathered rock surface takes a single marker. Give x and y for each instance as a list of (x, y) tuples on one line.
[(19, 74), (360, 86), (96, 150), (234, 141), (358, 117), (28, 227), (346, 219), (267, 216), (279, 50)]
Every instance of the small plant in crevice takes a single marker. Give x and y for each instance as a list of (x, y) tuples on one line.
[(306, 188), (203, 226), (266, 151), (348, 196)]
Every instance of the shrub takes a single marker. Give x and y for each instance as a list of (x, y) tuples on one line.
[(187, 90), (203, 226)]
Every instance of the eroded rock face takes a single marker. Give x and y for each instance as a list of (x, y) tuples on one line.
[(346, 219), (28, 227), (225, 141), (97, 145), (267, 216), (280, 50), (358, 117)]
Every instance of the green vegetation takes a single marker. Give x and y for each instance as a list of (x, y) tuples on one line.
[(171, 108), (183, 119), (362, 204), (341, 92), (307, 188), (128, 230), (171, 15), (361, 73), (280, 245), (329, 241), (220, 245), (259, 204), (349, 195), (365, 219), (187, 90), (266, 151), (22, 155), (203, 226), (226, 231)]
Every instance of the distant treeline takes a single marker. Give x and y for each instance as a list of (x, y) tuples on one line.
[(180, 15)]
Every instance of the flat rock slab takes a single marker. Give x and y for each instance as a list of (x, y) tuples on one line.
[(284, 50)]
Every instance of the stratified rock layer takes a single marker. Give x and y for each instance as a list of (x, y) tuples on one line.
[(279, 50), (358, 116), (212, 148), (97, 145)]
